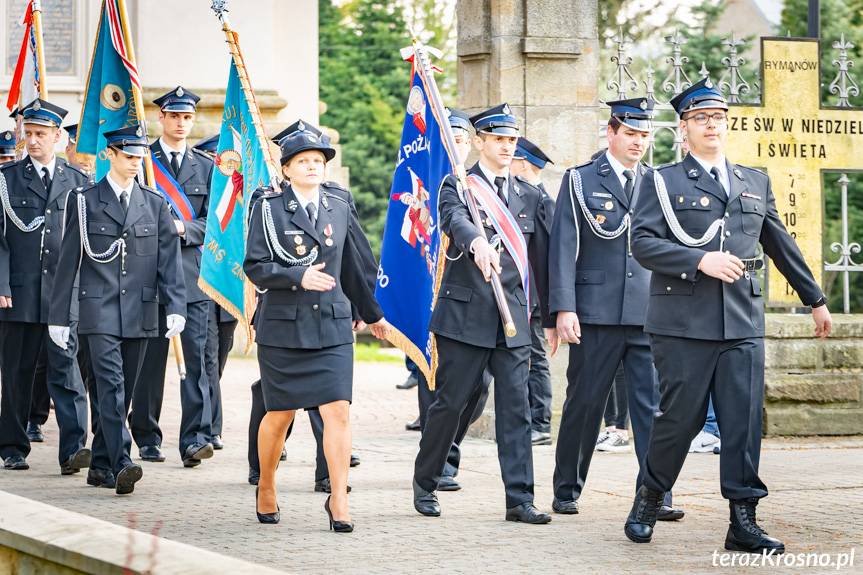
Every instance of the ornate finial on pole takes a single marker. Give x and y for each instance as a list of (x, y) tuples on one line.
[(220, 6), (623, 78), (677, 81), (737, 85), (841, 84)]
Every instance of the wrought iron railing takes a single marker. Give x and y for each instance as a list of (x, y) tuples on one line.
[(733, 83)]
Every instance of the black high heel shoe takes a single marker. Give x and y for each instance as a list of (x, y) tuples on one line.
[(266, 517), (337, 526)]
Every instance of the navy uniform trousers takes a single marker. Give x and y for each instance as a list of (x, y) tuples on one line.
[(220, 341), (539, 380)]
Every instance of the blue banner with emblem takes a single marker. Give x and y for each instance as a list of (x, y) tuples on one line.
[(109, 101), (408, 272), (241, 168)]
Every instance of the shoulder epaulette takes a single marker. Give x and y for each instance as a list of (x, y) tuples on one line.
[(147, 188), (750, 168), (668, 165), (7, 165), (204, 155), (77, 169), (335, 196), (268, 191), (86, 187), (582, 165), (335, 185)]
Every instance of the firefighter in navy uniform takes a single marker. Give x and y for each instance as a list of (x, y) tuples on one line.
[(469, 332), (34, 199), (697, 227), (192, 170), (121, 239)]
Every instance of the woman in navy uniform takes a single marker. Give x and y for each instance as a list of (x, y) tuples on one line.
[(303, 257)]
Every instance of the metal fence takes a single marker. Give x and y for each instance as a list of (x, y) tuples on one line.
[(735, 87)]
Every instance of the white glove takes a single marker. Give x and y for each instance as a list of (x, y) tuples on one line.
[(59, 335), (175, 323)]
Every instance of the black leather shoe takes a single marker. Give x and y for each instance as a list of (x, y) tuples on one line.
[(355, 460), (744, 534), (217, 442), (564, 506), (127, 478), (414, 425), (254, 476), (323, 486), (666, 513), (75, 462), (642, 517), (151, 453), (270, 518), (101, 478), (540, 438), (195, 453), (425, 502), (337, 526), (284, 456), (448, 483), (527, 513), (34, 433), (16, 462)]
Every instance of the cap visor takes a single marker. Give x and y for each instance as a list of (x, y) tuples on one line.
[(500, 131), (41, 122)]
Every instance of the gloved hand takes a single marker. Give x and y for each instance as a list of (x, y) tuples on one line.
[(175, 323), (59, 335)]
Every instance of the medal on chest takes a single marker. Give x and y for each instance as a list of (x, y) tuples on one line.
[(328, 231)]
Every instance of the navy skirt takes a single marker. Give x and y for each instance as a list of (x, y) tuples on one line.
[(305, 378)]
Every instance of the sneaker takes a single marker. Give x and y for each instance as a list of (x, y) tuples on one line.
[(603, 437), (616, 443), (411, 382), (703, 443)]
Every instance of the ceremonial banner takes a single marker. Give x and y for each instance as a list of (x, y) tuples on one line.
[(241, 167), (410, 250), (109, 99), (25, 81)]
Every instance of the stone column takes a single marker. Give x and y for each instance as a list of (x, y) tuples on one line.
[(542, 58)]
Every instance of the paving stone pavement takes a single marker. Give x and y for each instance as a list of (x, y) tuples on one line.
[(815, 506)]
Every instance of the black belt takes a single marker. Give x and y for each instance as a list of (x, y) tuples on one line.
[(752, 264)]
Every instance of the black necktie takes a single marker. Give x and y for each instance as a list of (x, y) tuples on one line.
[(500, 182), (175, 164), (46, 178), (630, 183), (124, 201), (312, 209), (715, 171)]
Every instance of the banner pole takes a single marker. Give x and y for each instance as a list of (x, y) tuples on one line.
[(40, 50)]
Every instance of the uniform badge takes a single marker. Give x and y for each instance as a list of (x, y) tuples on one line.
[(301, 250), (300, 126), (708, 84), (693, 173), (705, 201), (324, 201), (679, 199), (506, 110), (522, 215), (738, 174), (37, 106), (292, 206), (643, 105), (139, 132), (328, 231), (753, 196), (600, 219), (312, 139), (609, 205), (180, 91), (488, 222), (298, 240)]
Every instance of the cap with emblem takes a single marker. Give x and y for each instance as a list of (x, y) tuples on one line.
[(302, 137), (177, 100), (210, 144), (527, 150), (637, 113), (7, 143), (73, 133), (498, 121), (129, 140), (699, 96), (458, 120), (43, 113)]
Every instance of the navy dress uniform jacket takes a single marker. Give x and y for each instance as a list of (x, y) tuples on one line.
[(195, 175), (115, 300), (466, 310), (687, 303), (606, 285), (28, 260), (288, 315)]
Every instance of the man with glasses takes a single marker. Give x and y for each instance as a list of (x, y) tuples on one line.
[(697, 227)]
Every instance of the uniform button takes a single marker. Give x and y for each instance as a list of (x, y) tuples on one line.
[(683, 276), (49, 211), (728, 252), (315, 306), (48, 231), (293, 288), (726, 214), (125, 235), (44, 272), (122, 273), (24, 202), (756, 208), (727, 234), (123, 292), (629, 275), (629, 254), (447, 292), (667, 288), (84, 292), (103, 229), (146, 230), (47, 251), (693, 203)]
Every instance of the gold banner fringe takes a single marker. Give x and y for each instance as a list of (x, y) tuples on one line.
[(401, 341), (217, 297)]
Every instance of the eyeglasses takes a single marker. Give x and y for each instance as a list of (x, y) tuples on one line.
[(701, 118)]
